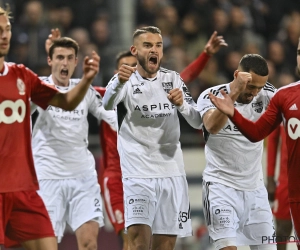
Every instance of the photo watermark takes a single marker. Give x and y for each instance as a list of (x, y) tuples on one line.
[(279, 239)]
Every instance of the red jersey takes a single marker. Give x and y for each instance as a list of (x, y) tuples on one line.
[(18, 86), (272, 145), (284, 106)]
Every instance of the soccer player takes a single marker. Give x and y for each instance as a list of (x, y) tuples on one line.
[(64, 165), (23, 217), (154, 180), (235, 200), (283, 108), (111, 177), (278, 192)]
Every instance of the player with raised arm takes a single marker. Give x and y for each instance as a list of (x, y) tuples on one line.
[(64, 165), (154, 180), (111, 177), (235, 200), (283, 108), (23, 217)]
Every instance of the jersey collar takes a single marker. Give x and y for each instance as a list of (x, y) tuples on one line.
[(5, 71), (142, 79)]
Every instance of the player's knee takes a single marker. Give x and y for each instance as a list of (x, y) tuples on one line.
[(88, 244), (225, 243)]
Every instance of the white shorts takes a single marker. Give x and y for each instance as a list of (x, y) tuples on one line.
[(73, 201), (161, 203), (232, 213)]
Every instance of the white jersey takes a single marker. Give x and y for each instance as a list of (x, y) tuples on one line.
[(231, 159), (60, 138), (149, 130)]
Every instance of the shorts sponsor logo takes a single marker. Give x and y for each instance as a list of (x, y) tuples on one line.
[(222, 217), (137, 207), (11, 111)]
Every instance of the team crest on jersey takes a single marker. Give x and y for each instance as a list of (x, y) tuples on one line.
[(167, 86), (258, 107), (21, 86)]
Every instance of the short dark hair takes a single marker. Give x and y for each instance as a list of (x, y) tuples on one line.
[(121, 55), (64, 42), (148, 29), (255, 63), (6, 11)]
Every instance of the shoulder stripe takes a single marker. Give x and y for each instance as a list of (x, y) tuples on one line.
[(163, 70), (269, 87), (216, 91)]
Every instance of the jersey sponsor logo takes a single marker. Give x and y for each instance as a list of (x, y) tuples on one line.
[(11, 112), (167, 86), (156, 116), (74, 115), (21, 86), (231, 128), (293, 128), (155, 107), (258, 107)]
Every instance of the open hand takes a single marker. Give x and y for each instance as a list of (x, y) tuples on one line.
[(55, 34), (214, 44), (225, 104)]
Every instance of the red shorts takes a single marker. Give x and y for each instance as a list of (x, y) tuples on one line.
[(23, 217), (113, 200), (281, 208)]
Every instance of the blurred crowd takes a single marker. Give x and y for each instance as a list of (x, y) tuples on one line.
[(267, 27)]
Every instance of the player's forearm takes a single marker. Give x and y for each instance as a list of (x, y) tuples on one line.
[(71, 99), (112, 95), (191, 115), (215, 121), (110, 117), (194, 68), (254, 131)]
